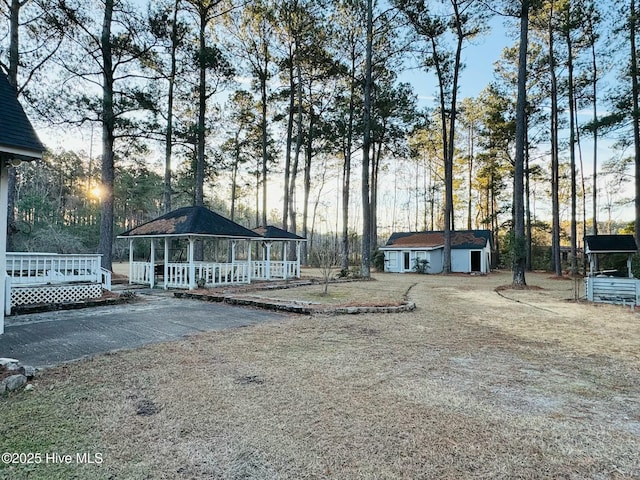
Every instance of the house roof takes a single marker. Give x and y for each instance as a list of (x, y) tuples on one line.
[(190, 221), (610, 244), (18, 139), (275, 233), (462, 239)]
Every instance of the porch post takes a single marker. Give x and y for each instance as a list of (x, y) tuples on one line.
[(166, 261), (130, 260), (629, 266), (152, 267), (4, 200), (192, 266), (298, 246), (285, 259)]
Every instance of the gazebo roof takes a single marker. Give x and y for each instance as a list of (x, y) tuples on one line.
[(274, 233), (18, 139), (190, 221), (610, 244)]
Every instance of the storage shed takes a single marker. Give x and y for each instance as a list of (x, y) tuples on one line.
[(470, 251)]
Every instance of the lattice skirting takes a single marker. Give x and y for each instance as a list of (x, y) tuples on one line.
[(54, 294)]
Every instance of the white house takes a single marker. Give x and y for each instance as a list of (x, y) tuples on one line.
[(18, 142), (470, 251)]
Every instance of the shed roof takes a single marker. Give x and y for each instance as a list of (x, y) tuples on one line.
[(610, 244), (462, 239), (275, 233), (18, 139), (190, 221)]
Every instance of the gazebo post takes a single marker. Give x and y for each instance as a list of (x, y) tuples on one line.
[(192, 265), (284, 259), (629, 266), (166, 261), (233, 260), (268, 248), (152, 267), (249, 265), (130, 260), (298, 248)]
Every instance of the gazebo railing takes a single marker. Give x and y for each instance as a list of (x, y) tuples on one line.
[(140, 272), (211, 274), (263, 270)]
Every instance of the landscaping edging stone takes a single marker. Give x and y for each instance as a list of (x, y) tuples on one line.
[(295, 307), (13, 375)]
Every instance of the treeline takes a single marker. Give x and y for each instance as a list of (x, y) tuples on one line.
[(247, 101)]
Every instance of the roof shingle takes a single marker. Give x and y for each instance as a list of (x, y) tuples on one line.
[(187, 221), (18, 139), (463, 239)]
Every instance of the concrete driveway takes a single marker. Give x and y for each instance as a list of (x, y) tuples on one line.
[(50, 338)]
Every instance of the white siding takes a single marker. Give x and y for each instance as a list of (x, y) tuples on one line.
[(435, 261), (460, 261)]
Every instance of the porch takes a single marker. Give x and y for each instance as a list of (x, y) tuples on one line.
[(33, 278)]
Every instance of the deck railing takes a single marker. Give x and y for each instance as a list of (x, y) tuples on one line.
[(50, 268)]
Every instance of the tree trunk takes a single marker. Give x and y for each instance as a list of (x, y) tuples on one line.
[(519, 256), (307, 185), (594, 68), (572, 148), (635, 91), (289, 141), (265, 139), (346, 169), (555, 161), (108, 125), (166, 191), (202, 111), (296, 157), (366, 149)]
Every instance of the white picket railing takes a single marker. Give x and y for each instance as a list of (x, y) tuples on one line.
[(210, 274), (263, 270), (140, 272), (53, 278), (50, 268)]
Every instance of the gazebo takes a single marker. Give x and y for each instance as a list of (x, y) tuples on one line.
[(267, 268), (18, 142), (179, 267), (193, 225), (608, 286)]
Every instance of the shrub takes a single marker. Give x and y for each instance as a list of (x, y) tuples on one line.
[(421, 265)]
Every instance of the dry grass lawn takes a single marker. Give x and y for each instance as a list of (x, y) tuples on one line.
[(474, 384)]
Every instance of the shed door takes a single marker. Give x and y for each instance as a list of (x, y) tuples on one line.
[(476, 261), (407, 260)]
